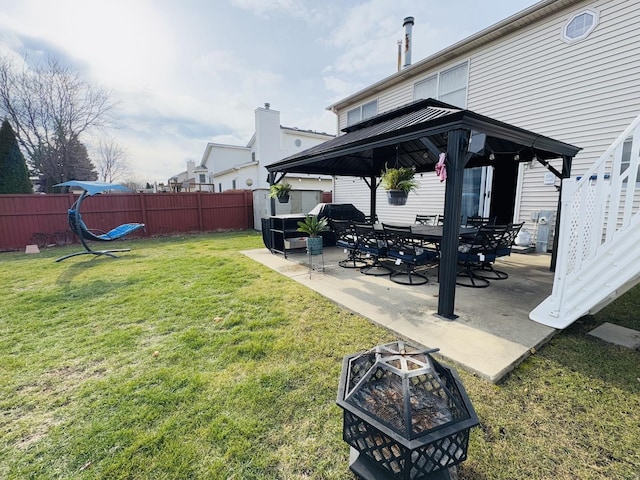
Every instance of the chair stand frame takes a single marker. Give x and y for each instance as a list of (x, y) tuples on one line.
[(408, 277), (469, 278), (353, 261), (376, 269), (487, 272)]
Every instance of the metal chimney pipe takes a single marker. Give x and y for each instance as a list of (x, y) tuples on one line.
[(408, 26), (399, 55)]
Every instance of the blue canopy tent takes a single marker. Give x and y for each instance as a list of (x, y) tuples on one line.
[(78, 226)]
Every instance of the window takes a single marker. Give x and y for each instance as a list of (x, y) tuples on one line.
[(233, 184), (362, 112), (298, 142), (453, 86), (579, 26), (626, 160), (220, 187), (449, 86), (426, 88), (203, 178)]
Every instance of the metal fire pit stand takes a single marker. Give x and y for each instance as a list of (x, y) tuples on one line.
[(405, 415), (365, 469)]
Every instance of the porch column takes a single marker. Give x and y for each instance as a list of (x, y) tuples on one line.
[(566, 173), (456, 160)]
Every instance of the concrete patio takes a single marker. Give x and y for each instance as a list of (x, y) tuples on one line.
[(492, 334)]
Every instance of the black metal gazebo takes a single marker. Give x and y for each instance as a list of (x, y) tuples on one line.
[(414, 135)]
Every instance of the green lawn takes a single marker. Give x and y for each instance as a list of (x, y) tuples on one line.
[(183, 359)]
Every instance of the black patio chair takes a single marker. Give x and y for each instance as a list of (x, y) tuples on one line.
[(373, 247), (347, 239), (408, 251), (503, 249), (472, 255)]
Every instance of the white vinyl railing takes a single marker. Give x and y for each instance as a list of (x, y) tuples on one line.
[(598, 252)]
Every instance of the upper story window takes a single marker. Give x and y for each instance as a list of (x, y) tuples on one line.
[(203, 178), (579, 26), (362, 112), (449, 86), (298, 142)]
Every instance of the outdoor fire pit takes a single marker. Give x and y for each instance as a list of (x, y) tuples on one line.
[(405, 415)]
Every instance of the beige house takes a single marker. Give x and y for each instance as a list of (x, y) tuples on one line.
[(567, 69)]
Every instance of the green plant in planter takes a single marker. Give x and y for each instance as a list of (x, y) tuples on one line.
[(280, 191), (398, 182), (399, 179), (313, 227)]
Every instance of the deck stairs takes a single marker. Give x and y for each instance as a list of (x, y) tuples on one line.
[(598, 256)]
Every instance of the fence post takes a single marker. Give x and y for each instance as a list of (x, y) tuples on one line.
[(143, 211), (200, 219), (248, 204)]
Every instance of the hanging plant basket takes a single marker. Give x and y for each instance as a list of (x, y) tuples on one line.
[(398, 182), (397, 197), (314, 245), (283, 198), (280, 191)]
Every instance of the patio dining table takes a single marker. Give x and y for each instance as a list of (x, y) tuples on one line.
[(430, 233)]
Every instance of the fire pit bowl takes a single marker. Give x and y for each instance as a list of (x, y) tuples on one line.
[(406, 415)]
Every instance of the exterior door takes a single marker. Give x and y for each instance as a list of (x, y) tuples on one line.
[(476, 192)]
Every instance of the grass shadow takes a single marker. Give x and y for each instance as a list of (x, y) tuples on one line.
[(76, 268)]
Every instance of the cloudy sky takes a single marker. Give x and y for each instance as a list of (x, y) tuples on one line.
[(189, 72)]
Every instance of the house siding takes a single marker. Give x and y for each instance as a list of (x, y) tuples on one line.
[(429, 199), (583, 93)]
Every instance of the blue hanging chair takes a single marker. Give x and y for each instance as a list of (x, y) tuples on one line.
[(78, 226)]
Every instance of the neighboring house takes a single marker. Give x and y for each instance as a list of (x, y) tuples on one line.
[(567, 69), (231, 167)]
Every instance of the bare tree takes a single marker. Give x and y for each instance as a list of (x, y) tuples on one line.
[(112, 162), (134, 184), (50, 106)]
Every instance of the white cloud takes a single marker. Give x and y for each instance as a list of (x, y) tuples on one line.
[(190, 72)]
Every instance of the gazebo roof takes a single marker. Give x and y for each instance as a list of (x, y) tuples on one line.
[(414, 135)]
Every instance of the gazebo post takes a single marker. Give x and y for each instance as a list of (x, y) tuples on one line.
[(272, 202), (373, 187), (456, 160)]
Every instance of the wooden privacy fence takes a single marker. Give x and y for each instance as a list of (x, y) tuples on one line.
[(42, 219)]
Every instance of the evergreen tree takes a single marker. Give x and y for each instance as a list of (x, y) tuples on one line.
[(66, 160), (14, 175)]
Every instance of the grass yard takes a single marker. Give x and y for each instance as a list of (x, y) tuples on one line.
[(244, 380)]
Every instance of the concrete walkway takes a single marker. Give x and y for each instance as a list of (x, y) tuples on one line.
[(492, 335)]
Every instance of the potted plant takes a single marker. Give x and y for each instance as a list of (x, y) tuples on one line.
[(398, 182), (313, 227), (280, 191)]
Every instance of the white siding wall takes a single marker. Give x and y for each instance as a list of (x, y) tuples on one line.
[(429, 198), (584, 93), (224, 157)]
